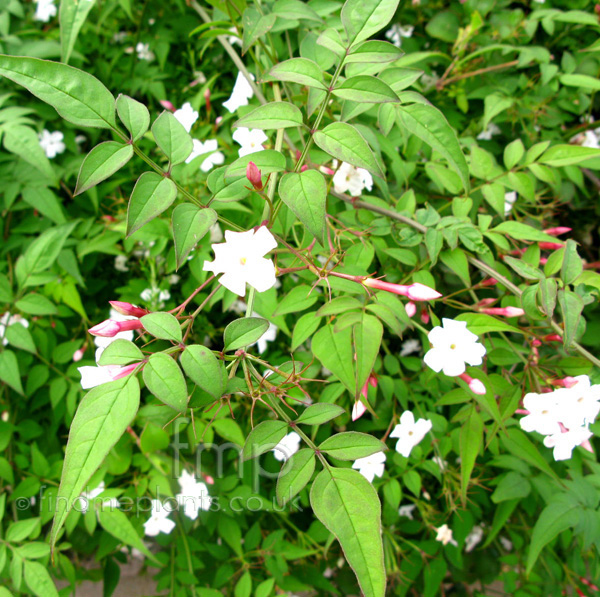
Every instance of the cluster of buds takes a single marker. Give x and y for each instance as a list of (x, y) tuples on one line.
[(109, 328)]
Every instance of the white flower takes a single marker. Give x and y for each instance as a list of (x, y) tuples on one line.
[(193, 496), (440, 462), (489, 132), (358, 410), (590, 139), (506, 543), (370, 466), (120, 36), (234, 39), (453, 345), (396, 32), (173, 279), (121, 263), (473, 538), (409, 347), (215, 232), (349, 179), (144, 52), (267, 337), (102, 342), (444, 535), (407, 511), (580, 403), (287, 447), (158, 521), (209, 146), (52, 143), (187, 116), (251, 140), (155, 295), (95, 376), (544, 415), (86, 496), (45, 10), (241, 94), (509, 200), (241, 260), (564, 443), (7, 320), (409, 432)]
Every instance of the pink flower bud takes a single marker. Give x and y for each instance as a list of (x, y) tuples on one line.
[(371, 381), (411, 309), (485, 302), (557, 230), (208, 479), (125, 371), (504, 311), (78, 355), (424, 315), (489, 282), (110, 328), (475, 385), (207, 99), (415, 292), (550, 246), (218, 120), (566, 382), (543, 260), (167, 105), (304, 168), (327, 170), (253, 174), (128, 309), (358, 410), (536, 342), (553, 338)]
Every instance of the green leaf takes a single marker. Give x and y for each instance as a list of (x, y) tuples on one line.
[(523, 268), (228, 429), (340, 304), (151, 195), (296, 300), (347, 504), (267, 161), (513, 153), (20, 337), (572, 265), (134, 115), (305, 193), (567, 155), (482, 323), (264, 437), (362, 19), (471, 437), (297, 70), (368, 334), (305, 327), (36, 304), (334, 350), (320, 413), (429, 124), (374, 51), (495, 104), (38, 580), (244, 332), (274, 115), (365, 89), (344, 142), (190, 224), (120, 352), (118, 525), (519, 445), (521, 231), (46, 202), (101, 419), (77, 96), (164, 379), (351, 445), (580, 81), (243, 587), (554, 519), (162, 325), (103, 161), (295, 474), (20, 530), (571, 307), (9, 371), (456, 260), (24, 142), (254, 27), (71, 17), (171, 136), (204, 369)]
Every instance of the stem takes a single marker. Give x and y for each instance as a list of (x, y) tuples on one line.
[(474, 73), (250, 302)]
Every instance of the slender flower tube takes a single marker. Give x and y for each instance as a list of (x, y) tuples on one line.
[(415, 292), (552, 338), (167, 105), (475, 385), (504, 311), (128, 309), (110, 328), (558, 230), (550, 246)]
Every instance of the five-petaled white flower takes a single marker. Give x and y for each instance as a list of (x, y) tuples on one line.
[(241, 260), (193, 496), (410, 346), (409, 432), (580, 403), (489, 132), (209, 146), (158, 521), (241, 94), (251, 140), (509, 200), (453, 345), (52, 143), (544, 413), (444, 535), (370, 466), (144, 52), (396, 32), (352, 180), (564, 443), (45, 10), (287, 447), (187, 116)]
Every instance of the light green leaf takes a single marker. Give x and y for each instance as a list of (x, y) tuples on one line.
[(151, 195), (36, 304), (362, 19), (580, 81), (77, 96), (164, 379), (522, 231), (204, 369), (24, 142), (374, 51), (9, 371), (134, 115), (340, 304), (274, 115), (523, 269), (38, 580), (351, 445), (305, 193), (71, 17), (264, 437), (471, 436), (572, 265), (190, 224), (120, 352), (456, 260), (571, 307), (20, 530), (347, 504), (20, 337), (267, 161), (294, 475), (334, 350), (101, 419), (297, 70), (46, 202), (344, 142), (103, 161), (494, 104), (255, 26), (162, 325), (171, 136), (320, 413), (429, 124), (513, 153), (567, 155), (244, 332), (365, 89), (368, 334), (482, 323)]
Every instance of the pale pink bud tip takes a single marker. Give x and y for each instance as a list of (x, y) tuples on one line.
[(358, 410), (125, 371), (78, 355), (476, 386), (208, 479), (550, 246), (558, 230), (254, 176), (110, 328), (489, 282), (420, 292), (411, 309), (503, 311), (167, 105), (128, 309)]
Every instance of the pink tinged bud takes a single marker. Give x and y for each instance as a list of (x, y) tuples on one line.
[(304, 168), (543, 260), (536, 342), (411, 309), (558, 230), (125, 371), (585, 444), (208, 479), (489, 282), (358, 410), (327, 170), (569, 382), (78, 355), (128, 309), (218, 120), (521, 411), (167, 105), (475, 385), (253, 174), (553, 338), (110, 328), (485, 302), (504, 311), (415, 292), (550, 246), (425, 316), (420, 292)]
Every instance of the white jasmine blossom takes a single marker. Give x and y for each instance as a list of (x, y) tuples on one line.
[(509, 200), (444, 535), (209, 146), (590, 139), (215, 233), (45, 10), (7, 320), (370, 466), (487, 134), (407, 511), (52, 143), (187, 116), (287, 447), (121, 263), (241, 260), (120, 36), (409, 432), (144, 52), (193, 496), (173, 279), (251, 140), (473, 538), (158, 521), (506, 543), (241, 94), (86, 496), (352, 180), (396, 32), (453, 346), (410, 346), (564, 443), (580, 403), (544, 413)]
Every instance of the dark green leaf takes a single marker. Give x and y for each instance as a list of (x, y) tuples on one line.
[(320, 413), (244, 332), (103, 161), (190, 224), (164, 379), (151, 195), (204, 369), (294, 475)]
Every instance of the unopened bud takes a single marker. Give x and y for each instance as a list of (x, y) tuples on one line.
[(557, 230), (415, 292), (110, 328), (475, 385), (550, 246), (167, 105), (504, 311), (207, 99), (78, 355), (489, 282), (358, 410), (253, 174), (411, 309), (128, 309), (424, 315), (553, 338)]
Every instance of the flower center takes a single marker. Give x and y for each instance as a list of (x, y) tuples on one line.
[(242, 261), (452, 346), (544, 412)]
